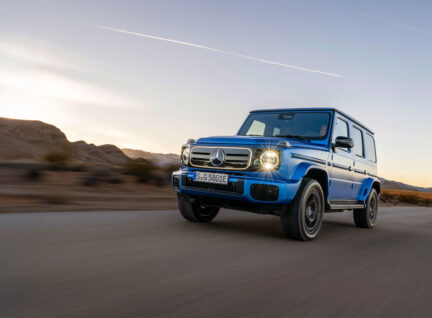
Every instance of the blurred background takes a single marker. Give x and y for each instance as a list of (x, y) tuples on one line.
[(96, 97)]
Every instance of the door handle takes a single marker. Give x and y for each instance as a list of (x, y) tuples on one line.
[(365, 172), (350, 168)]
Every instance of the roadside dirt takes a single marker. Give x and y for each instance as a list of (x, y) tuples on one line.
[(66, 191)]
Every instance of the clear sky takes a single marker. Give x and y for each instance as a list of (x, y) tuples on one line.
[(124, 84)]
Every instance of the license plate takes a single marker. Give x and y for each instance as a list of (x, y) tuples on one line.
[(210, 177)]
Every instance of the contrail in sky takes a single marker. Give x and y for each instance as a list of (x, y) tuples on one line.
[(216, 50), (396, 24)]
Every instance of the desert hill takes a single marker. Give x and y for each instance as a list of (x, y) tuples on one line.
[(102, 154), (159, 159), (34, 140), (29, 139)]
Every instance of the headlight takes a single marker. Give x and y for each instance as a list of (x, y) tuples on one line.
[(269, 159), (185, 152)]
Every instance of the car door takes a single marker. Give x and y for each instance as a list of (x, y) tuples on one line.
[(360, 166), (341, 176)]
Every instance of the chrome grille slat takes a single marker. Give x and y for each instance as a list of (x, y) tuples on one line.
[(202, 153), (236, 158), (205, 157)]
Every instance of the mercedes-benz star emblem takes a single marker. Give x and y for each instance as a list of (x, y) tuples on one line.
[(217, 157)]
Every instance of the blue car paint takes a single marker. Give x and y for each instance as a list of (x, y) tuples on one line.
[(297, 161)]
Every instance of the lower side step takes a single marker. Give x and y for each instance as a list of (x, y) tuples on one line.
[(345, 204)]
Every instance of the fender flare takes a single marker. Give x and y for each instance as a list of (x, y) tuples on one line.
[(304, 168), (366, 187)]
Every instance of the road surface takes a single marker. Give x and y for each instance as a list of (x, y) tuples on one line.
[(155, 264)]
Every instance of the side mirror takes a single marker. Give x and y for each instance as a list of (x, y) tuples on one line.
[(344, 142)]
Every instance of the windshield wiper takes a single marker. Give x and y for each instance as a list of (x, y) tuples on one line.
[(295, 136)]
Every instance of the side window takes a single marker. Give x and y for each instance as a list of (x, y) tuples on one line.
[(357, 137), (257, 128), (340, 129), (370, 148)]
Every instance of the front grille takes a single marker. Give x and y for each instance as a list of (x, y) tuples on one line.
[(231, 187), (236, 158)]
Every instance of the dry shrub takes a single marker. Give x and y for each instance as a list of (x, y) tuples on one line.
[(115, 180), (33, 175), (141, 168), (96, 177), (147, 172), (56, 198), (408, 197), (57, 158)]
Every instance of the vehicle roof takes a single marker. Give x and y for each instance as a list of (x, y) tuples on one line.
[(312, 109)]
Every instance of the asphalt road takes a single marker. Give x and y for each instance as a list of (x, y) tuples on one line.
[(155, 264)]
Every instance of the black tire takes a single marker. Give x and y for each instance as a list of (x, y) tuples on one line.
[(367, 216), (194, 211), (304, 215)]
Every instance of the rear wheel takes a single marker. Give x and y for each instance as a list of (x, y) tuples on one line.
[(194, 211), (303, 218), (367, 216)]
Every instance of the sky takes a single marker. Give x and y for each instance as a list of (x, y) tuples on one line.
[(152, 74)]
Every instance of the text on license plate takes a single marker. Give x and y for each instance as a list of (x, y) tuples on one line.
[(210, 177)]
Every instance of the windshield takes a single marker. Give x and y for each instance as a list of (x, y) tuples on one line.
[(303, 125)]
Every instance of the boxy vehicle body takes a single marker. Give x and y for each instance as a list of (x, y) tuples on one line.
[(295, 163)]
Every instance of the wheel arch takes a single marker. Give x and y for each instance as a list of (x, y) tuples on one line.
[(377, 186), (319, 174)]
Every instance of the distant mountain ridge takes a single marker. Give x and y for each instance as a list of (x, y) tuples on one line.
[(160, 159), (389, 184)]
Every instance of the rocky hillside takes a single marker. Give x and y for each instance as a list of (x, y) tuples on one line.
[(29, 139), (34, 140), (160, 159), (103, 154)]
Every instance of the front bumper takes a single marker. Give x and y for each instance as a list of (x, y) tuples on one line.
[(240, 187)]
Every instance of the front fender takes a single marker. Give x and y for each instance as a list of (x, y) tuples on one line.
[(303, 168)]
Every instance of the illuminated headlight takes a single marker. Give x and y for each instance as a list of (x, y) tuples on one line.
[(269, 159), (185, 153)]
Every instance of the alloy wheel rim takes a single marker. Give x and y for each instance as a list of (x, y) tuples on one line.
[(312, 215), (372, 209)]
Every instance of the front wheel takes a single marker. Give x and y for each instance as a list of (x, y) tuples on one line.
[(367, 216), (194, 211), (303, 218)]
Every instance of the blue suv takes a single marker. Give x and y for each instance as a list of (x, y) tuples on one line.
[(295, 163)]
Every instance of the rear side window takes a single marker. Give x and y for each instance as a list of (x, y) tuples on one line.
[(370, 148), (357, 137)]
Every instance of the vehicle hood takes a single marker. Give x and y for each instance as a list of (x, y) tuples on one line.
[(253, 141)]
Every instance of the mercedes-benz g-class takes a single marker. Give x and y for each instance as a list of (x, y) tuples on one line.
[(294, 163)]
